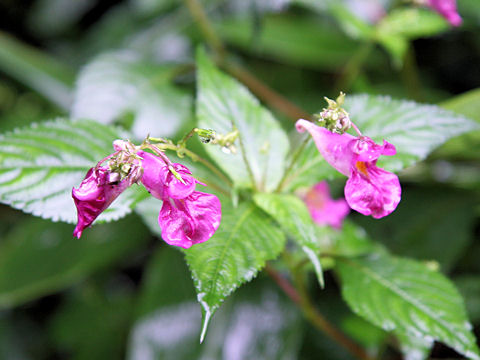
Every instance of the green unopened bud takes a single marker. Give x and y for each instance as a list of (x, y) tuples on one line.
[(341, 99), (334, 117), (331, 103), (226, 142), (206, 135)]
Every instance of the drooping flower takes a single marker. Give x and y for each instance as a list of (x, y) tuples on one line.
[(369, 190), (187, 216), (446, 8), (95, 193), (323, 209)]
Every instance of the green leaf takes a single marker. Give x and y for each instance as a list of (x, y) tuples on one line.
[(108, 312), (466, 146), (405, 296), (467, 104), (245, 240), (401, 25), (435, 216), (224, 105), (414, 129), (40, 164), (120, 84), (43, 22), (353, 25), (37, 70), (412, 23), (38, 258), (414, 347), (469, 286), (352, 241), (292, 215)]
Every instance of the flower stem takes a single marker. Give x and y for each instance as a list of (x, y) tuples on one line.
[(195, 157), (200, 16), (354, 66), (264, 92), (295, 157), (299, 296), (410, 75)]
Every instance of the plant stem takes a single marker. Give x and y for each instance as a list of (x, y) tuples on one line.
[(299, 296), (410, 75), (200, 16), (292, 163), (353, 67), (264, 92)]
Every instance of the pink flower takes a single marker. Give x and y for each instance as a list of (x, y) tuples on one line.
[(369, 190), (325, 210), (446, 8), (95, 193), (187, 216)]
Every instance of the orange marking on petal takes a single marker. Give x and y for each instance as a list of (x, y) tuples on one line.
[(362, 167)]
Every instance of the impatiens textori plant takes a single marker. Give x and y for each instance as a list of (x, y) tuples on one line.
[(230, 234)]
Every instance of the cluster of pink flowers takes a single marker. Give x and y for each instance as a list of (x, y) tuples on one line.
[(369, 190), (187, 216)]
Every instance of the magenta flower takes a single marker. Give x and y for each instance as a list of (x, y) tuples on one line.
[(369, 190), (95, 193), (446, 8), (325, 210), (187, 216)]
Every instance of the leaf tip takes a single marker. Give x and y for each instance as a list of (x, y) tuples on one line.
[(207, 315)]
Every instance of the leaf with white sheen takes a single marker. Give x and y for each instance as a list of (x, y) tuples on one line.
[(413, 128), (245, 240), (223, 104), (406, 297), (413, 347), (41, 163), (293, 216), (122, 83)]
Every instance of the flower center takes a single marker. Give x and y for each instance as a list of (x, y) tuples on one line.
[(362, 167)]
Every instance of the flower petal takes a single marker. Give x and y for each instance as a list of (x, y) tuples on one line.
[(180, 189), (335, 148), (367, 150), (189, 221), (323, 209), (371, 190), (93, 196), (155, 173)]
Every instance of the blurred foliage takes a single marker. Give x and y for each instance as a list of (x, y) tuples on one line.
[(122, 293)]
